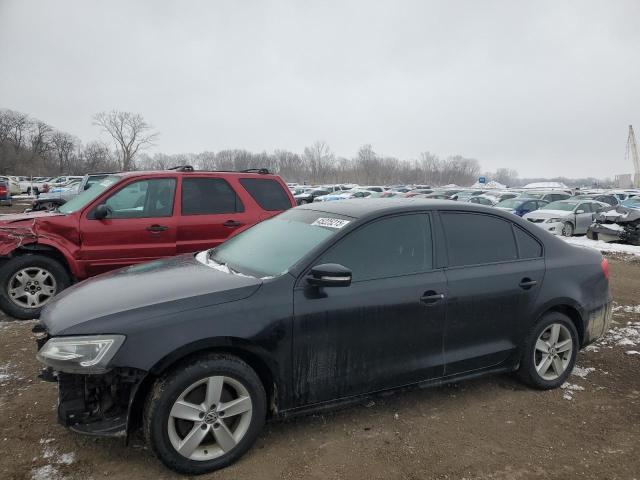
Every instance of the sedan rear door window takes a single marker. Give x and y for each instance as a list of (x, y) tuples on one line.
[(475, 239)]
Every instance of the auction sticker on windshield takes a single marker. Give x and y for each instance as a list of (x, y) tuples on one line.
[(330, 222)]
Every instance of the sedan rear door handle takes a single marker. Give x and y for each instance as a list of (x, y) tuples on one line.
[(157, 228), (232, 224), (431, 297), (527, 283)]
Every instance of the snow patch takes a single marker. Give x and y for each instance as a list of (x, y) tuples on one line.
[(626, 309), (582, 372), (604, 246), (570, 389), (50, 453), (627, 336), (48, 472)]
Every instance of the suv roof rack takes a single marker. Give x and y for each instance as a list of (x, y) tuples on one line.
[(182, 168), (189, 168)]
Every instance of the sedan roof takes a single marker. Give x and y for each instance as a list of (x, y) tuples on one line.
[(378, 206)]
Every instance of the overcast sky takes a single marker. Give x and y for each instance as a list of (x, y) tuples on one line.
[(547, 88)]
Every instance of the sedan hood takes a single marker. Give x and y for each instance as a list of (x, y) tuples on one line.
[(141, 292), (548, 214)]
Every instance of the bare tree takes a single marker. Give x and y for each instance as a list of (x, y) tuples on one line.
[(320, 159), (62, 146), (130, 132)]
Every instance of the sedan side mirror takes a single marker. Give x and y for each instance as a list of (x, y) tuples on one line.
[(579, 211), (329, 275), (102, 211)]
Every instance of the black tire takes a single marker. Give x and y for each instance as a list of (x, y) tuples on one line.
[(527, 370), (14, 265), (166, 391)]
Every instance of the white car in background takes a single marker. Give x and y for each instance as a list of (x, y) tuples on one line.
[(566, 217), (12, 184)]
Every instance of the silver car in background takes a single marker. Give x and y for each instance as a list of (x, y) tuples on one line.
[(566, 217)]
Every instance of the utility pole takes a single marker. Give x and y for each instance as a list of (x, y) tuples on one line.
[(632, 154)]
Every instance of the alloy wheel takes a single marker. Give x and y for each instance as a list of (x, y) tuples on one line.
[(210, 418), (553, 351), (32, 287), (567, 230)]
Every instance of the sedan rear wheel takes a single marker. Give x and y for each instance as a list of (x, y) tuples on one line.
[(549, 351), (553, 351)]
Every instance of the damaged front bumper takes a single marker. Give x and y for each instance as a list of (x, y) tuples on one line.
[(95, 404)]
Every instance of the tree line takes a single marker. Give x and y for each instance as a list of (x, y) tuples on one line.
[(31, 147)]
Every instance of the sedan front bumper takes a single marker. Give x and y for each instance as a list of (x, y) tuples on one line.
[(555, 227)]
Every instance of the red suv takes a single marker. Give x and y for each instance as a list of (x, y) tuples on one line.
[(128, 218)]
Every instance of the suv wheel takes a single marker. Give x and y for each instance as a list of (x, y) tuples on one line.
[(549, 352), (205, 415), (28, 283)]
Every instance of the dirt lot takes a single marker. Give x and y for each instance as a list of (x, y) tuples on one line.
[(493, 428)]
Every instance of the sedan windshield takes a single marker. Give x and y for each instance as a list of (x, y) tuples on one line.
[(272, 247), (88, 195), (565, 206)]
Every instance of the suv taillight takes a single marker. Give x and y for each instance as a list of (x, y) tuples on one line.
[(605, 268), (3, 190)]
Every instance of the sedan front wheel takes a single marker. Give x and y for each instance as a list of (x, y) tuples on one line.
[(206, 415)]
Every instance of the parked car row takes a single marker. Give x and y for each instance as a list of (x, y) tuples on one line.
[(561, 212)]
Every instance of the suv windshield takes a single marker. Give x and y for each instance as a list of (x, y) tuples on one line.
[(88, 195), (566, 206), (272, 247)]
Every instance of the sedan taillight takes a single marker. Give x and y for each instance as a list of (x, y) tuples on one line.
[(605, 268)]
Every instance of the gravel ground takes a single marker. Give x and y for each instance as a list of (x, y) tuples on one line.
[(491, 428)]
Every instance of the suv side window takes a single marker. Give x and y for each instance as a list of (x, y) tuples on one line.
[(209, 196), (475, 239), (385, 248), (143, 199), (267, 193)]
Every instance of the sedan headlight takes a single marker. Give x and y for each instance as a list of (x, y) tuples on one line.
[(555, 220), (89, 354)]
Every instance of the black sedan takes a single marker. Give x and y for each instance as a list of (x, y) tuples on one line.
[(322, 305)]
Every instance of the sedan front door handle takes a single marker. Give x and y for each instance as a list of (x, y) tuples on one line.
[(431, 297)]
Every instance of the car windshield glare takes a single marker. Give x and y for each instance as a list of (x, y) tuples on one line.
[(88, 195), (565, 206), (272, 247)]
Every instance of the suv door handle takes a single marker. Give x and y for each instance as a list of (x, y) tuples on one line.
[(430, 297), (157, 228), (527, 283), (232, 224)]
